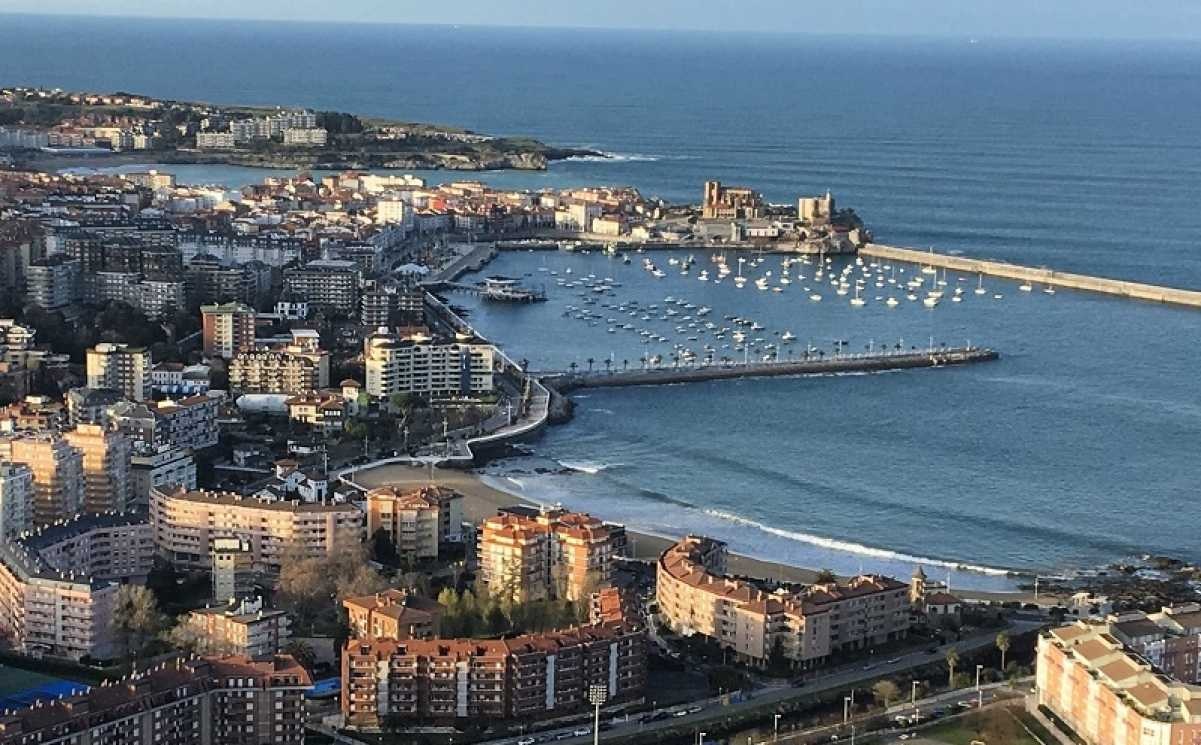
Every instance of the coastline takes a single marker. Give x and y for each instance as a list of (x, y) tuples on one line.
[(482, 500)]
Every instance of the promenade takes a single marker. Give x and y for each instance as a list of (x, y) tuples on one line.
[(1041, 276), (832, 365)]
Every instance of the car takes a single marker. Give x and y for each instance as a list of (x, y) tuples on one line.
[(680, 713), (526, 741), (894, 660), (581, 731), (869, 666), (694, 709), (903, 737), (564, 736), (966, 704)]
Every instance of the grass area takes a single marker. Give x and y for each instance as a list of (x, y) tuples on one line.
[(14, 679), (972, 728)]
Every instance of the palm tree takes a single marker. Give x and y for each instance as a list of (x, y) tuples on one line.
[(642, 359), (952, 660), (608, 365), (625, 365), (573, 367), (591, 362), (1003, 646)]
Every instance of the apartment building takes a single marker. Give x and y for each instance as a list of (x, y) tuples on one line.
[(305, 137), (227, 329), (199, 701), (393, 614), (527, 554), (526, 677), (428, 367), (288, 370), (322, 411), (1109, 695), (331, 283), (1170, 640), (52, 283), (417, 520), (232, 570), (58, 585), (215, 140), (187, 423), (106, 467), (16, 499), (162, 467), (89, 405), (805, 627), (58, 481), (120, 367), (241, 628), (186, 524)]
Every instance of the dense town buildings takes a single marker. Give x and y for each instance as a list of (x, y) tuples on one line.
[(806, 627), (227, 329), (392, 614), (241, 628), (428, 367), (106, 467), (418, 521), (527, 554), (58, 474), (122, 368), (186, 523), (527, 677)]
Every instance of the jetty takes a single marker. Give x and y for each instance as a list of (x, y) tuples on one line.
[(564, 381), (1037, 275)]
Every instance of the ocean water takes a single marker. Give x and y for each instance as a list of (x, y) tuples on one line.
[(1077, 448)]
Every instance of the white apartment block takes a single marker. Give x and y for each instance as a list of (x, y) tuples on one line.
[(58, 483), (215, 140), (167, 467), (16, 499), (427, 367), (121, 368), (307, 137)]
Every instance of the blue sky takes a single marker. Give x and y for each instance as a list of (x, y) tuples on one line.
[(1140, 19)]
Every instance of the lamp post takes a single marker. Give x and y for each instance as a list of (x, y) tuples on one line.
[(913, 695), (700, 738), (597, 694), (846, 708), (775, 727), (979, 691)]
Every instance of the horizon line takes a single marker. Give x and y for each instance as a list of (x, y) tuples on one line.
[(960, 36)]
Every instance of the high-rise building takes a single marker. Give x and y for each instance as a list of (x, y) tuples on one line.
[(331, 283), (232, 570), (165, 466), (16, 499), (526, 677), (106, 466), (417, 520), (52, 283), (122, 368), (198, 701), (227, 329), (58, 483), (187, 522), (427, 367), (526, 554), (287, 370)]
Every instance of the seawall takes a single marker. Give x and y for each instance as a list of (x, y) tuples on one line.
[(844, 364), (1103, 285)]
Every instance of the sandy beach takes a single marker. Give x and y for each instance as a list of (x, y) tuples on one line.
[(481, 501)]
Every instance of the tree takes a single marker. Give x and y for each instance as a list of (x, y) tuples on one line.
[(952, 659), (302, 652), (136, 617), (1003, 647), (383, 549), (495, 618), (885, 692), (825, 576), (400, 401)]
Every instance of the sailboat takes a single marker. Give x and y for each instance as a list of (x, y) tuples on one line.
[(857, 301), (980, 285)]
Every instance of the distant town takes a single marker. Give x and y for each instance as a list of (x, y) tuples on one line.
[(43, 126), (235, 433)]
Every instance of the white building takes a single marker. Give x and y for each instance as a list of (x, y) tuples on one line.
[(215, 140), (163, 468), (308, 137), (16, 499), (121, 368), (428, 367)]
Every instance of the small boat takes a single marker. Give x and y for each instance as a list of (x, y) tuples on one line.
[(930, 302), (1027, 287), (1050, 290), (980, 286), (892, 302), (787, 336), (815, 297)]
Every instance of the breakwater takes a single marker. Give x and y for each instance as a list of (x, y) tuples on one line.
[(1039, 275), (853, 363)]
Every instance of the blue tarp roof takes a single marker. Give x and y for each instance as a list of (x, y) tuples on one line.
[(51, 690)]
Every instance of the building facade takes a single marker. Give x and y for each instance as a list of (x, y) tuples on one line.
[(227, 329), (240, 628), (58, 481), (106, 467), (392, 614), (427, 367), (417, 520), (122, 368)]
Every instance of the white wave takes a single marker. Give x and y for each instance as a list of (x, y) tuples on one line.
[(858, 548), (609, 157), (516, 482), (602, 411), (587, 467)]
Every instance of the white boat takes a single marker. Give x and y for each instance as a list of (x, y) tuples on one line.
[(892, 302), (1050, 290), (980, 286), (857, 302), (1027, 287), (787, 336), (815, 297), (930, 302)]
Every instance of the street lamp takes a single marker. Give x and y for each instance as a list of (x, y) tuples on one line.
[(846, 708), (775, 727), (979, 692), (700, 738), (596, 696)]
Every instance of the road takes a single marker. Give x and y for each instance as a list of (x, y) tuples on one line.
[(839, 679)]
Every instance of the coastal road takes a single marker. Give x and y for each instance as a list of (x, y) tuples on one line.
[(858, 677)]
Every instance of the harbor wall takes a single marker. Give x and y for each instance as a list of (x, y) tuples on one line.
[(854, 363), (1102, 285)]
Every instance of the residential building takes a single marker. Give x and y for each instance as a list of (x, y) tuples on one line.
[(393, 614), (1107, 694), (242, 627), (174, 379), (427, 367), (806, 626), (58, 481), (232, 569), (331, 283), (287, 370), (120, 367), (36, 414), (305, 137), (52, 283), (187, 522), (215, 140), (106, 462), (417, 521), (16, 499), (524, 678), (1170, 640), (89, 405), (58, 585), (227, 329), (322, 411), (188, 423), (164, 466), (197, 701), (528, 555)]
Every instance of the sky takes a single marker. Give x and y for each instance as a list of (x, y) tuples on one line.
[(1069, 19)]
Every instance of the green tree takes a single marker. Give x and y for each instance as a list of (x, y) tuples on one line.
[(825, 576), (383, 549), (885, 692), (302, 652), (495, 618), (136, 617), (1003, 646), (952, 658)]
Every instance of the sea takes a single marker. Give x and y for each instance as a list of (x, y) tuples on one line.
[(1078, 448)]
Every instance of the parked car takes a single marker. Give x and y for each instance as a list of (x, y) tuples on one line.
[(526, 741), (581, 731)]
